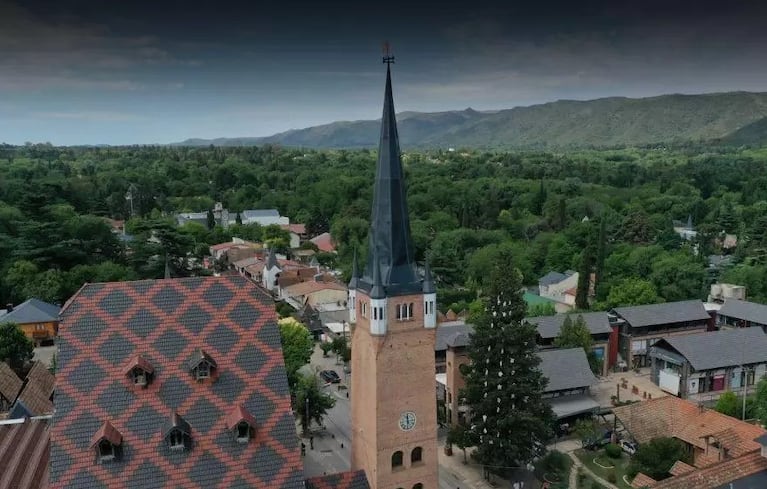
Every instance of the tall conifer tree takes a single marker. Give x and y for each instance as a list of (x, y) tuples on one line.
[(601, 249), (511, 423)]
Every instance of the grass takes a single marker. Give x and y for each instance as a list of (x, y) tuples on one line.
[(555, 467), (621, 465)]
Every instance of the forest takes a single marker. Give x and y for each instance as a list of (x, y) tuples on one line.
[(606, 211)]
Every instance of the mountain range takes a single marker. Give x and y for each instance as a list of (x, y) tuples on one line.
[(732, 117)]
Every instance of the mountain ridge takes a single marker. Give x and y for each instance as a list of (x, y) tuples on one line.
[(565, 123)]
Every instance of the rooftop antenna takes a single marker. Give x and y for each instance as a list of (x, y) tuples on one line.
[(387, 56)]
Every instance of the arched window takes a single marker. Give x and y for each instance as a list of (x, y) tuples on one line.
[(396, 459), (416, 455), (399, 312), (418, 486), (375, 313), (410, 310)]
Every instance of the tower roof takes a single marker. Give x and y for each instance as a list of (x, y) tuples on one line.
[(390, 243), (355, 280), (428, 280), (271, 260)]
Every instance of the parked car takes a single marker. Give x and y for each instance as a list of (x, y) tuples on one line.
[(330, 376), (628, 446)]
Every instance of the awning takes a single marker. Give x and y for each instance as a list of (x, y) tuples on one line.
[(566, 406)]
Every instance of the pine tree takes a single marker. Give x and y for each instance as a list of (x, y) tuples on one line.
[(601, 252), (511, 423), (211, 219), (539, 199), (584, 279), (238, 219), (562, 214)]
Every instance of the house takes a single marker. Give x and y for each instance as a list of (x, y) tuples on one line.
[(445, 330), (568, 371), (324, 243), (36, 395), (720, 292), (553, 285), (642, 326), (37, 319), (736, 313), (25, 453), (172, 383), (603, 334), (264, 217), (315, 293), (10, 386), (724, 450), (704, 365), (297, 233)]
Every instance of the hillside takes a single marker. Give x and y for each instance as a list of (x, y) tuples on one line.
[(739, 117)]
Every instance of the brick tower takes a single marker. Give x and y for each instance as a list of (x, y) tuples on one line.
[(394, 416)]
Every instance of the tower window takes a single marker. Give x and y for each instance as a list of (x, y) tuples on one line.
[(107, 442), (106, 451), (140, 371), (178, 433), (242, 424), (396, 459), (243, 432), (416, 455), (176, 440), (201, 365), (375, 313), (410, 310), (399, 312), (380, 313)]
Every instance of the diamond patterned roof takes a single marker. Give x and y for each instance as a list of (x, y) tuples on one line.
[(165, 322)]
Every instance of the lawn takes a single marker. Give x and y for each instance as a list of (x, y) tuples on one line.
[(587, 482), (620, 466), (555, 468)]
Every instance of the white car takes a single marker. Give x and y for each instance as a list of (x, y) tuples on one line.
[(628, 447)]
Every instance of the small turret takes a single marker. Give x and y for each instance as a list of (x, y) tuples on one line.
[(353, 282), (377, 296), (429, 299)]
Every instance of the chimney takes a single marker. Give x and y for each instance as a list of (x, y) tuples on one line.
[(9, 307)]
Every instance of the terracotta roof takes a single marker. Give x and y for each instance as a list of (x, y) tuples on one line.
[(246, 262), (681, 468), (342, 480), (140, 362), (305, 288), (642, 480), (719, 474), (294, 228), (671, 416), (292, 265), (10, 383), (166, 321), (42, 377), (107, 432), (256, 268), (222, 246), (24, 453), (238, 414), (35, 396), (324, 242)]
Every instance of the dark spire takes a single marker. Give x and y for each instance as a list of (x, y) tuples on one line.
[(389, 236), (167, 267), (377, 290), (354, 281), (428, 281), (271, 259)]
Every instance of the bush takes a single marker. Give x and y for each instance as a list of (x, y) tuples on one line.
[(613, 451), (611, 477), (596, 485)]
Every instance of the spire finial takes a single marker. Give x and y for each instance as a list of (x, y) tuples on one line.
[(388, 58), (428, 280), (354, 281), (377, 289)]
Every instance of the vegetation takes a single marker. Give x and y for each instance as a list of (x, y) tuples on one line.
[(657, 457), (760, 401), (467, 207), (735, 116), (613, 451), (612, 470), (555, 468), (575, 334), (15, 347), (511, 423), (297, 348), (728, 404), (310, 403)]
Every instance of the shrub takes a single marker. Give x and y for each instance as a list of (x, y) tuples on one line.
[(611, 477), (596, 485), (613, 451)]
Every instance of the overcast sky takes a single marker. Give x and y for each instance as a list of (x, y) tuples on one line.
[(77, 72)]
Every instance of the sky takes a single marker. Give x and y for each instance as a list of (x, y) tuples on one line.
[(145, 72)]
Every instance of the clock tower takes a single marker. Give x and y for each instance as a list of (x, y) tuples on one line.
[(393, 390)]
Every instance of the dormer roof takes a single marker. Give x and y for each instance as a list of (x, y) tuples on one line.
[(239, 414), (107, 432)]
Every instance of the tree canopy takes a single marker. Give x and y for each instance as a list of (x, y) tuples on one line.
[(15, 347)]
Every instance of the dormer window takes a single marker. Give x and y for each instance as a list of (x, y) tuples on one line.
[(140, 371), (178, 434), (242, 424), (201, 365), (107, 442)]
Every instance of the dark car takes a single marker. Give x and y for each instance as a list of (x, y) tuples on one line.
[(330, 376)]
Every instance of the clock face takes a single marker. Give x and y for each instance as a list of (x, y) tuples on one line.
[(407, 421)]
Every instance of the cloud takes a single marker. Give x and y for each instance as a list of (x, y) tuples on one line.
[(40, 53)]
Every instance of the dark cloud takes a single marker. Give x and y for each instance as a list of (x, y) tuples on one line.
[(88, 71)]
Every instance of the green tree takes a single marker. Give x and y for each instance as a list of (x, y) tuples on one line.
[(460, 436), (656, 457), (587, 431), (15, 347), (238, 219), (211, 220), (511, 423), (599, 264), (728, 404), (575, 334), (544, 309), (760, 401), (310, 403), (297, 347), (584, 279), (632, 292)]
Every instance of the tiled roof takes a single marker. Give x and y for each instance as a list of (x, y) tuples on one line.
[(324, 242), (35, 397), (720, 474), (223, 246), (747, 311), (665, 313), (671, 416), (32, 311), (681, 468), (305, 288), (718, 349), (10, 383), (40, 376), (550, 326), (24, 451), (166, 321), (246, 262), (552, 278), (294, 228), (566, 369), (253, 213), (342, 480), (447, 332), (642, 480)]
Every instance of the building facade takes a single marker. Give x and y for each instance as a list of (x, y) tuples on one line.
[(37, 319), (394, 420)]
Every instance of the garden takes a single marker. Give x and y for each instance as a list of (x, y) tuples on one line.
[(609, 463)]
